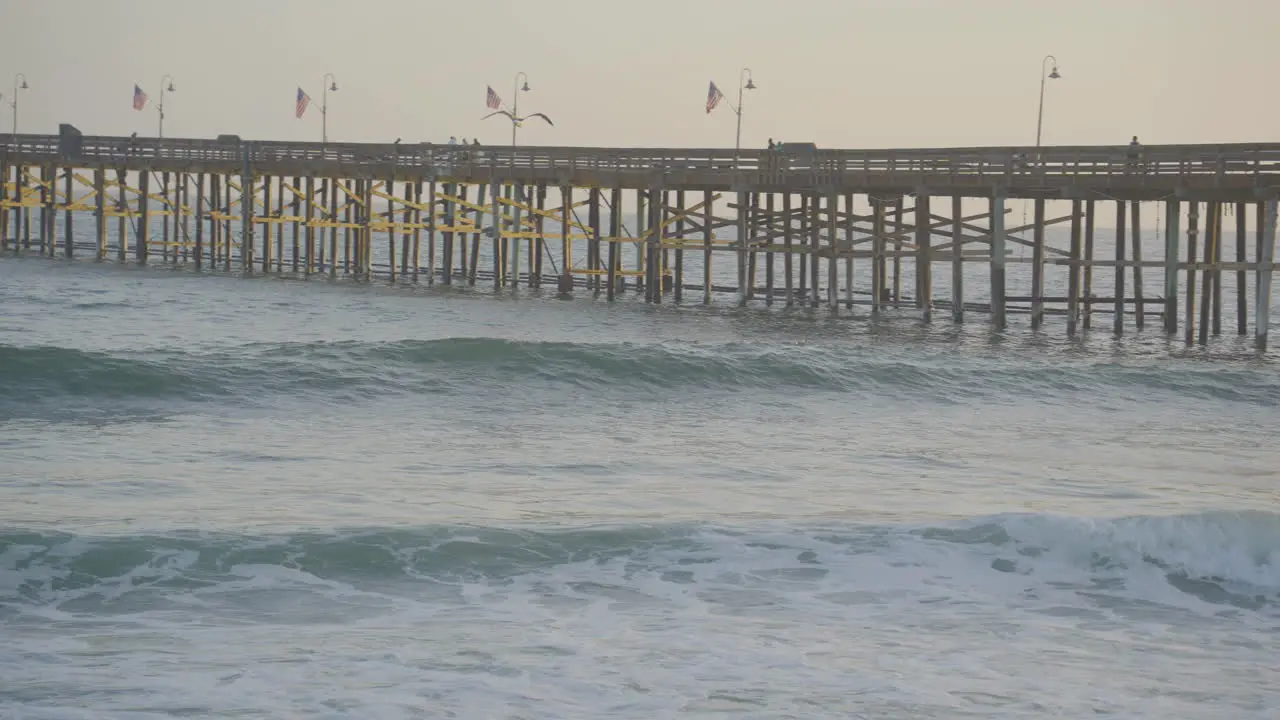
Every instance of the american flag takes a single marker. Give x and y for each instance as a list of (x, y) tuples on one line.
[(492, 100), (139, 98), (303, 101), (714, 96)]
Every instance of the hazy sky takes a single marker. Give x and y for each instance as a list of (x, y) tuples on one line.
[(841, 73)]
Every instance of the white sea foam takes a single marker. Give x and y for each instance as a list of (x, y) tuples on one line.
[(839, 621)]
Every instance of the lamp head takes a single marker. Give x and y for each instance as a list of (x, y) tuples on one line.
[(526, 87), (751, 84), (24, 85), (171, 87), (333, 86), (1054, 75)]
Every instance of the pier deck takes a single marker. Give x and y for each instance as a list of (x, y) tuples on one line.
[(816, 227)]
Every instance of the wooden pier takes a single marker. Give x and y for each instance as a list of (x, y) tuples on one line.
[(788, 227)]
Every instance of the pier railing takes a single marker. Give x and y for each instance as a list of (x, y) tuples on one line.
[(1238, 165)]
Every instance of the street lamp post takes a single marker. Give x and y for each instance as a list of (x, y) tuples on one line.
[(160, 105), (516, 89), (16, 88), (328, 82), (1054, 75), (749, 85)]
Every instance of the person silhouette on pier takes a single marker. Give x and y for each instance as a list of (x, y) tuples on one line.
[(1134, 153)]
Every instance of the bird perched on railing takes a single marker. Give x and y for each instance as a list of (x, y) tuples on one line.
[(518, 121)]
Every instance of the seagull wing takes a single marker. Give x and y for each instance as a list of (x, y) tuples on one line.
[(499, 112), (544, 117)]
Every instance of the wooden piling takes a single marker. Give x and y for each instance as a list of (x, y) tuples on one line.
[(333, 229), (642, 218), (23, 213), (296, 262), (1120, 263), (788, 235), (99, 212), (997, 262), (431, 235), (957, 259), (740, 243), (566, 254), (4, 199), (1087, 290), (924, 256), (658, 221), (1206, 274), (166, 208), (499, 261), (678, 288), (46, 211), (615, 230), (540, 243), (707, 200), (446, 238), (473, 268), (849, 251), (1139, 300), (199, 250), (520, 196), (1037, 266), (815, 241), (391, 229), (833, 246), (417, 228), (279, 224), (1073, 271), (1242, 277), (140, 247), (1217, 270), (266, 226), (1193, 229), (122, 203), (897, 251), (802, 254), (1172, 236), (1267, 255), (68, 243), (877, 254), (367, 241), (593, 242)]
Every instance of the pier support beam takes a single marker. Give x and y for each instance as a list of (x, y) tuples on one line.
[(566, 255), (740, 240), (246, 214), (199, 254), (1193, 229), (707, 200), (1242, 278), (1073, 271), (140, 248), (1172, 235), (99, 212), (68, 240), (1267, 253), (997, 261), (1037, 266), (1119, 293), (957, 262), (924, 256)]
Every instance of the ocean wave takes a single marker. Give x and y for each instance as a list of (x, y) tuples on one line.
[(463, 365), (1219, 558)]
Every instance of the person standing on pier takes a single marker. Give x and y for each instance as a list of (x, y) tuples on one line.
[(1135, 151)]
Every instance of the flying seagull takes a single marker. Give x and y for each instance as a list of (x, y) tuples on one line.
[(519, 120)]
